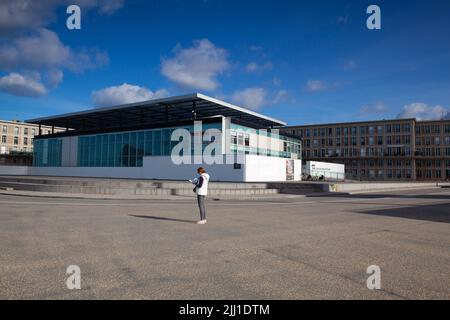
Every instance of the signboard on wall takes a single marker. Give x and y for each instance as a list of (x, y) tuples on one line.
[(289, 170)]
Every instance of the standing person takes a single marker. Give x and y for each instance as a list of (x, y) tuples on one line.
[(201, 188)]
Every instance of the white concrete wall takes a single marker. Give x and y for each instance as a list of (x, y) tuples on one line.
[(254, 169), (266, 169), (164, 168), (14, 170)]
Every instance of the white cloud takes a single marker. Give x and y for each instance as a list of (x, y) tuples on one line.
[(28, 47), (276, 81), (43, 49), (251, 98), (315, 85), (22, 85), (54, 78), (422, 111), (377, 108), (124, 94), (280, 95), (196, 67), (29, 14), (256, 67)]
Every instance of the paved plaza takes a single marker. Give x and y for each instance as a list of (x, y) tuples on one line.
[(288, 248)]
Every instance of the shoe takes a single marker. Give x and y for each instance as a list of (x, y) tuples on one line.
[(201, 222)]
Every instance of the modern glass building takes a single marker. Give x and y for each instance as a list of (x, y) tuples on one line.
[(140, 135)]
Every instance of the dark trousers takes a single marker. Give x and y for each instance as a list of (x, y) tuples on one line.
[(201, 206)]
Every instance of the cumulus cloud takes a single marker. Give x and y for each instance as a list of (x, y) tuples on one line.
[(54, 78), (26, 14), (22, 85), (315, 86), (422, 111), (27, 46), (320, 85), (197, 67), (377, 108), (251, 98), (259, 67), (125, 93), (279, 96), (43, 49)]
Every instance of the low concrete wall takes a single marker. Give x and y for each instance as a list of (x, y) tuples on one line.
[(374, 186), (14, 170)]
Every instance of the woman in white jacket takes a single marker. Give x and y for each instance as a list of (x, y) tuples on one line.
[(201, 188)]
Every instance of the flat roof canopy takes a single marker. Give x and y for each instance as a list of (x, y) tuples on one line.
[(157, 112)]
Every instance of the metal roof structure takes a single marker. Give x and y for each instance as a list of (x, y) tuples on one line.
[(157, 112)]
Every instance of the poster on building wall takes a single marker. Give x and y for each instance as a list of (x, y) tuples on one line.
[(289, 170)]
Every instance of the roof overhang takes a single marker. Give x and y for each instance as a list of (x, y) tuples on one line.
[(157, 112)]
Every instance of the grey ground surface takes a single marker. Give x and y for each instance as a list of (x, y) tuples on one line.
[(292, 248)]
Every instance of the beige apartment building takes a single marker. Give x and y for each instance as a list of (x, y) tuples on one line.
[(401, 149), (19, 136)]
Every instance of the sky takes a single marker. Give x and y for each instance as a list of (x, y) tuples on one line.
[(302, 62)]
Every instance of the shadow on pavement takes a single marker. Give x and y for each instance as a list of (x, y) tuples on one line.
[(162, 218), (434, 213)]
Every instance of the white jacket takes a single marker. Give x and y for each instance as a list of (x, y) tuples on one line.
[(203, 189)]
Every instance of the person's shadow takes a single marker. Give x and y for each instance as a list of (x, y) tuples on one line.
[(162, 218)]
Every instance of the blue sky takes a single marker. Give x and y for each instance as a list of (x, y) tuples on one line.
[(299, 61)]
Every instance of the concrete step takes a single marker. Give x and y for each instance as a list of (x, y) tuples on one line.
[(26, 186), (127, 183)]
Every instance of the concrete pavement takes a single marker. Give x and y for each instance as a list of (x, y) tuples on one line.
[(290, 248)]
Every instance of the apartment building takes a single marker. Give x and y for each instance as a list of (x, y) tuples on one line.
[(400, 149), (19, 136)]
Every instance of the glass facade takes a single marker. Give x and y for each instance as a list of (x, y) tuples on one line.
[(127, 149), (47, 153), (241, 137)]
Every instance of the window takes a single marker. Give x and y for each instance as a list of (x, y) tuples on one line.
[(16, 131), (389, 128), (25, 131), (447, 128), (247, 140), (233, 137), (5, 129), (407, 127), (362, 131), (380, 141), (437, 140), (33, 131), (16, 140), (3, 139), (25, 141)]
